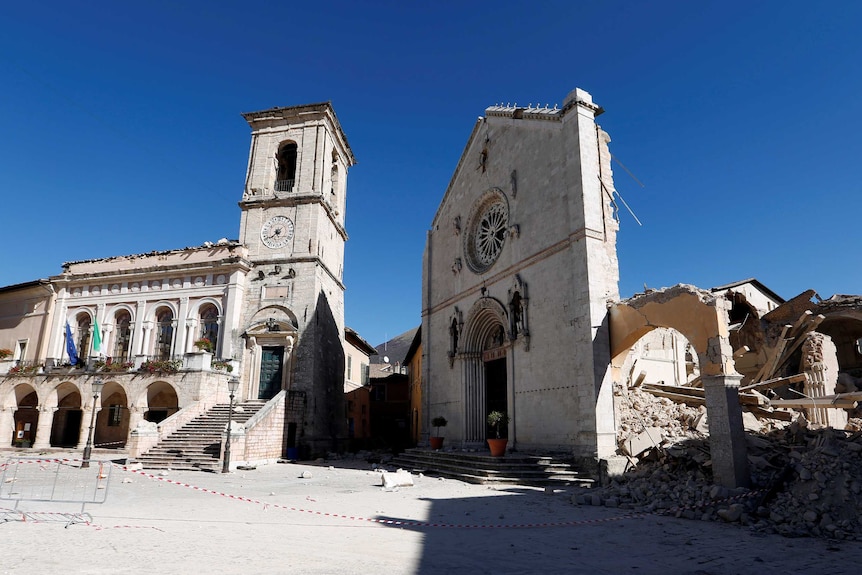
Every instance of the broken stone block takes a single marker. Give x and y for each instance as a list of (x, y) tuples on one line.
[(750, 422), (646, 439), (397, 479), (732, 513), (701, 425)]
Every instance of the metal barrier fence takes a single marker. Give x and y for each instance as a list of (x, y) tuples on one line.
[(34, 479)]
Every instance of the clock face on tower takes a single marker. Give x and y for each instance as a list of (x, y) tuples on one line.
[(276, 232)]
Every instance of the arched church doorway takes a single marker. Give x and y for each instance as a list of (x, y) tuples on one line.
[(485, 368), (495, 392)]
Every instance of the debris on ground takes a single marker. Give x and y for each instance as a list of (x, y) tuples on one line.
[(806, 480)]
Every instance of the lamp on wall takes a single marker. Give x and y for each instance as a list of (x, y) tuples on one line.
[(98, 384), (232, 386)]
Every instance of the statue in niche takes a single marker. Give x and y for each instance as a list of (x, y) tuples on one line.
[(516, 310), (497, 338), (453, 340)]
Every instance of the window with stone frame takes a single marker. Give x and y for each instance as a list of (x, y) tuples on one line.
[(122, 335), (209, 324), (165, 333), (84, 323), (115, 415)]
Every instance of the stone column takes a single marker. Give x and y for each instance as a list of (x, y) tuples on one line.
[(135, 417), (7, 425), (43, 428), (138, 333), (86, 414), (183, 336), (726, 433)]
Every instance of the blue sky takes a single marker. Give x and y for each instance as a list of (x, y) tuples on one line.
[(121, 130)]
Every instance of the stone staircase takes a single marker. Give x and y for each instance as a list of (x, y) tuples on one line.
[(196, 446), (472, 467)]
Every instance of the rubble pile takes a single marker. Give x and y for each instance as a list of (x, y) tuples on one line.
[(804, 481)]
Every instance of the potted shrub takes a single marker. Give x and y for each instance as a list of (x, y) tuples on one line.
[(437, 441), (204, 344), (5, 354), (497, 421)]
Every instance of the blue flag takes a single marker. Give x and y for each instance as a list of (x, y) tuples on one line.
[(70, 346)]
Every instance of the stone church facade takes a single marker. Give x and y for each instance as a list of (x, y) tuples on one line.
[(519, 267), (270, 305)]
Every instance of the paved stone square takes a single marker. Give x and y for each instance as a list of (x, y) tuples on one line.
[(271, 520)]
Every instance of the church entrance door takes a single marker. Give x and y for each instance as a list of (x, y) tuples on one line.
[(495, 392), (271, 371)]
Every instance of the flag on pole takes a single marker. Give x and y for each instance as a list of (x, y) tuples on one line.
[(97, 338), (70, 346)]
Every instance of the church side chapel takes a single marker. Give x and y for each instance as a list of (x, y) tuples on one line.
[(163, 333)]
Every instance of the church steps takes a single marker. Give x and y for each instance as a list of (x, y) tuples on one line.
[(197, 445), (480, 468)]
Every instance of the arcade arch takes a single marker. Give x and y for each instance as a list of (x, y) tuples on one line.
[(112, 421), (65, 400), (162, 402), (25, 416), (702, 318)]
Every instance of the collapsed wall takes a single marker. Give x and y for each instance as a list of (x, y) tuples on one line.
[(805, 481)]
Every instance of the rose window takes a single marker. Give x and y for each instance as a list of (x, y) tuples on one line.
[(486, 231)]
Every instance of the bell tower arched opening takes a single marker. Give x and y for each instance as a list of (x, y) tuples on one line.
[(285, 177)]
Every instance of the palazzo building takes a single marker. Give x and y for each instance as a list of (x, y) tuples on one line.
[(166, 330)]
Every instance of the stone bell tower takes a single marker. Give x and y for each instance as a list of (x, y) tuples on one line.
[(292, 225)]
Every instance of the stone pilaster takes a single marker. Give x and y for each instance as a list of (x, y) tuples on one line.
[(726, 432)]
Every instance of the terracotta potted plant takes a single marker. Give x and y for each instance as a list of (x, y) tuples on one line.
[(497, 421), (437, 441)]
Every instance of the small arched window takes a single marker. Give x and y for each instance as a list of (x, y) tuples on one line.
[(209, 324), (333, 176), (122, 335), (165, 333), (285, 177)]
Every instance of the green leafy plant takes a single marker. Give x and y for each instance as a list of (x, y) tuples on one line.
[(112, 366), (161, 366), (24, 369), (5, 354), (439, 422), (222, 365), (497, 420), (204, 344)]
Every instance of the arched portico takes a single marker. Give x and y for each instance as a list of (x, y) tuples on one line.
[(483, 351), (65, 402), (112, 422), (25, 415), (161, 401), (702, 318)]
